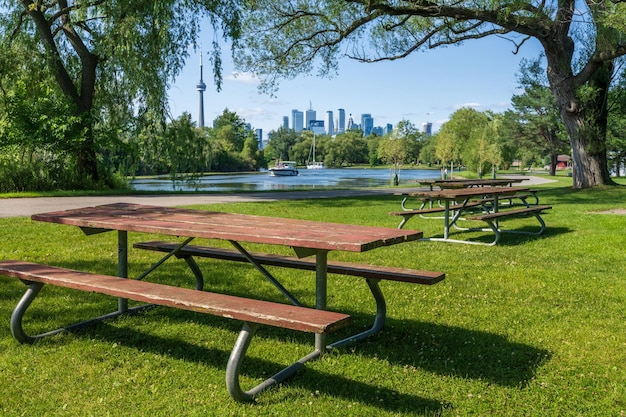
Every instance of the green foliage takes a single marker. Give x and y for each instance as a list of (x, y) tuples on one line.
[(103, 66)]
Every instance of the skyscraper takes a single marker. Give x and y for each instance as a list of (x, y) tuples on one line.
[(427, 128), (285, 122), (350, 123), (341, 121), (329, 123), (201, 87), (309, 117), (367, 123), (296, 120)]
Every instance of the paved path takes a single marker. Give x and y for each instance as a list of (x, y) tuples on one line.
[(25, 207)]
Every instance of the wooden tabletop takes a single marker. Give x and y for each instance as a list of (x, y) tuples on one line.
[(457, 193), (462, 183), (229, 226)]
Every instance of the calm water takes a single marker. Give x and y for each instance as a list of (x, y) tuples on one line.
[(307, 179)]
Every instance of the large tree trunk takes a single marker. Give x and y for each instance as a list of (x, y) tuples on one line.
[(586, 123), (585, 118)]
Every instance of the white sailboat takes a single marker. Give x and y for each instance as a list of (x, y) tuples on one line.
[(312, 164)]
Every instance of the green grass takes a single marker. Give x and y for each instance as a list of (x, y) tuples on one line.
[(535, 326)]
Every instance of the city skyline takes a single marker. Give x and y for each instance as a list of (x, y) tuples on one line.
[(424, 87)]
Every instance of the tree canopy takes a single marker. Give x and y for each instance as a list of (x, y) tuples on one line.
[(109, 62), (581, 40)]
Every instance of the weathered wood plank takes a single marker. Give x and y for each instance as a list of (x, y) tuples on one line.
[(230, 226), (239, 308), (334, 267)]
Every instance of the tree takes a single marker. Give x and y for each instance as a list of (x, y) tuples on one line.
[(537, 120), (109, 59), (280, 143), (453, 140), (233, 129), (346, 149), (581, 39), (393, 151)]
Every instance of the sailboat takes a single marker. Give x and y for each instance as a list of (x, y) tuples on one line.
[(313, 164)]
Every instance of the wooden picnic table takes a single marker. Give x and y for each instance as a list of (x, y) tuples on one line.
[(457, 201), (306, 238), (468, 183)]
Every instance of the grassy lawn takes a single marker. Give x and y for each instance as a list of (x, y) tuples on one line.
[(535, 326)]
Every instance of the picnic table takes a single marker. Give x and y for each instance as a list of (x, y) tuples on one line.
[(467, 183), (457, 203), (306, 238)]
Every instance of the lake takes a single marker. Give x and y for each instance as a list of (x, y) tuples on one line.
[(307, 179)]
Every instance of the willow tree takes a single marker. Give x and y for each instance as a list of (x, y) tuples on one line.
[(580, 39), (110, 59)]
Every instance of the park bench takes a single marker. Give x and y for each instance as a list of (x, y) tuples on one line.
[(251, 312)]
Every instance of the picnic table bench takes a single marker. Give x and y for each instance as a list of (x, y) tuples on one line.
[(492, 219), (334, 267), (251, 312)]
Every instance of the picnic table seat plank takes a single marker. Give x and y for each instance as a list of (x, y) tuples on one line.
[(230, 226), (438, 209), (492, 220), (334, 267), (223, 305), (509, 213), (252, 312)]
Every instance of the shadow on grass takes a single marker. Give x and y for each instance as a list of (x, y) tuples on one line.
[(439, 349), (508, 238), (258, 368)]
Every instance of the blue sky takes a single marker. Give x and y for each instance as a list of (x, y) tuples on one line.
[(426, 86)]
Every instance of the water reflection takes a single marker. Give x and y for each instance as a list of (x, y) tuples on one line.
[(307, 179)]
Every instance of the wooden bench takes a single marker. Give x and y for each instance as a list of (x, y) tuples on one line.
[(372, 274), (342, 268), (252, 312), (492, 218), (408, 214)]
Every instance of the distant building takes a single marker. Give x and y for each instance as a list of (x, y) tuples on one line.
[(388, 129), (317, 127), (297, 120), (309, 116), (258, 134), (286, 122), (367, 123), (350, 123), (341, 121), (378, 130), (329, 123), (427, 128)]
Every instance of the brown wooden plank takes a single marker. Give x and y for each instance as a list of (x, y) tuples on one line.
[(509, 213), (230, 226), (411, 213), (239, 308), (334, 267)]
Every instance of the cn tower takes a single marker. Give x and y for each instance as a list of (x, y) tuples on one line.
[(201, 87)]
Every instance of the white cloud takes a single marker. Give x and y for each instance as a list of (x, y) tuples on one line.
[(247, 78)]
